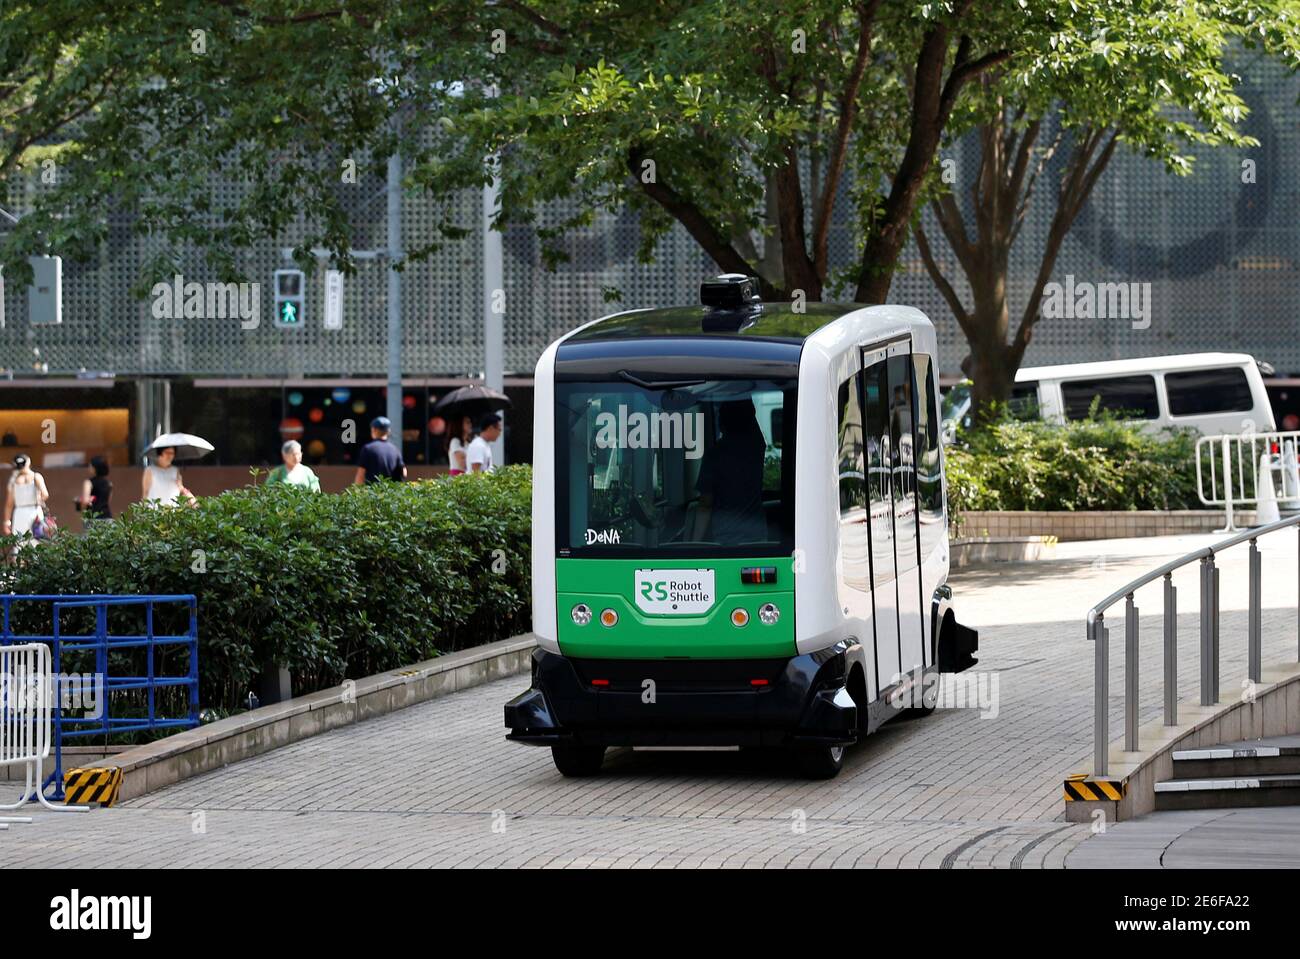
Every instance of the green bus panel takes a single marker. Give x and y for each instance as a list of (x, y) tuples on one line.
[(611, 584)]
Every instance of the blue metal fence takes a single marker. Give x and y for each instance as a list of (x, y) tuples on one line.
[(101, 643)]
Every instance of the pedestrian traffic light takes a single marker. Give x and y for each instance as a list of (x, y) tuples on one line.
[(290, 299)]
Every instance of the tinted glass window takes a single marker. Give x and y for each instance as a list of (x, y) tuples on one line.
[(1023, 403), (1133, 397), (853, 488), (686, 469), (929, 469), (1208, 391)]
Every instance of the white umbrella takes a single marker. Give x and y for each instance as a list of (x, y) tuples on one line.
[(187, 445)]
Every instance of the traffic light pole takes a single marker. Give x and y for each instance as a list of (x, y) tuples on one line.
[(394, 409), (493, 294)]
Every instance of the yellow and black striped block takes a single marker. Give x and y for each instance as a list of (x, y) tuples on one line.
[(92, 785), (1079, 788)]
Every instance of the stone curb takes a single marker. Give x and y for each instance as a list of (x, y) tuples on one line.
[(196, 751)]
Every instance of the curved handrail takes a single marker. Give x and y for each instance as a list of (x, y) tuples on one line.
[(1204, 552)]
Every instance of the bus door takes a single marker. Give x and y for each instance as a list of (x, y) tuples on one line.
[(902, 432), (880, 514)]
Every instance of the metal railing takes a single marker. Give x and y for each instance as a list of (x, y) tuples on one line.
[(1099, 634), (1228, 470), (105, 647)]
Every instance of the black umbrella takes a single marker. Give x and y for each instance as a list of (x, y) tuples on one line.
[(471, 401)]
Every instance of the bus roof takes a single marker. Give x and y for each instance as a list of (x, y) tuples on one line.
[(775, 321)]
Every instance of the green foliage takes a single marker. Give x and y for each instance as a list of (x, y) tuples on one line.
[(331, 586), (1096, 464), (144, 103)]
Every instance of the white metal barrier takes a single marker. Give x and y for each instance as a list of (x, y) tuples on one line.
[(27, 703), (1240, 469)]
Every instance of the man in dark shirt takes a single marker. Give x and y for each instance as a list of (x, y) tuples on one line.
[(380, 459), (730, 510)]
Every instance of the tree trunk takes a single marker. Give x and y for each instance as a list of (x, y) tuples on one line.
[(990, 321)]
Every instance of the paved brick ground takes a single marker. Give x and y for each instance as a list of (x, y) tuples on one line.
[(438, 785)]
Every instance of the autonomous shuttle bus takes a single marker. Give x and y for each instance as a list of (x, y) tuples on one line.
[(739, 531)]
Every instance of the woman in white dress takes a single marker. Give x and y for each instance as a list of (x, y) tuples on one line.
[(458, 445), (161, 480), (25, 500)]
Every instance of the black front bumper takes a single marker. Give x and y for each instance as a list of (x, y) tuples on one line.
[(612, 702)]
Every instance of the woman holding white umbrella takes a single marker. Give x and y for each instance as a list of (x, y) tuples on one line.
[(161, 481)]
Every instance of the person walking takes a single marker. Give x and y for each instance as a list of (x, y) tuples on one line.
[(380, 459), (294, 472), (25, 498), (479, 454), (96, 491), (458, 445), (161, 483)]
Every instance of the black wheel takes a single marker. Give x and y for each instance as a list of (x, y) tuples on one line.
[(820, 762), (575, 759)]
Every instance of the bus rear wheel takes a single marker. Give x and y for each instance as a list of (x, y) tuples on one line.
[(820, 762), (576, 759)]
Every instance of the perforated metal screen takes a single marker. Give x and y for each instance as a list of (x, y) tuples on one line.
[(1220, 256)]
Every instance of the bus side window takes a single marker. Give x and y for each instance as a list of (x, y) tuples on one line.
[(852, 486), (929, 472)]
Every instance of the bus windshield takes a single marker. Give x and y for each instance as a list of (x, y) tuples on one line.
[(676, 468)]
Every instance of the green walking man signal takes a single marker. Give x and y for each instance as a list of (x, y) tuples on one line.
[(290, 299)]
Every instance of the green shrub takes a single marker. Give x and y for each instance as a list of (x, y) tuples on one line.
[(1095, 464), (331, 586)]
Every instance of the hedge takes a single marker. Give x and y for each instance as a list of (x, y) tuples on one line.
[(331, 586), (1094, 464)]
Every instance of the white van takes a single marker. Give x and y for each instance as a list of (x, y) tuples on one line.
[(1211, 393)]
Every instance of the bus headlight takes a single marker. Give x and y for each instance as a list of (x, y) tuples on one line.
[(581, 614), (768, 614)]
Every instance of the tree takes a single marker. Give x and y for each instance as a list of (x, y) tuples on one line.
[(746, 122), (759, 126), (1155, 81)]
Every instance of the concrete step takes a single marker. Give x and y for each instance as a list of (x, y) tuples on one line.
[(1277, 755), (1253, 772), (1227, 793)]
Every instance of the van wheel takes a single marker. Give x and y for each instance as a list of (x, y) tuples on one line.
[(820, 762), (575, 759)]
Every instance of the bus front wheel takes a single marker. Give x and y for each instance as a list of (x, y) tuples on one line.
[(575, 759), (820, 762)]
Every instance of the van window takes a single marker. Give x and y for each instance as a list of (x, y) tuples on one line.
[(1023, 402), (1196, 392), (1134, 397)]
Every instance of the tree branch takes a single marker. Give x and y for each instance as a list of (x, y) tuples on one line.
[(941, 281), (711, 239), (848, 113)]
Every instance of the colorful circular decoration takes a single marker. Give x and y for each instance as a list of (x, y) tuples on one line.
[(359, 406), (408, 402), (341, 394), (290, 428), (437, 426), (316, 448), (295, 398), (316, 414)]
